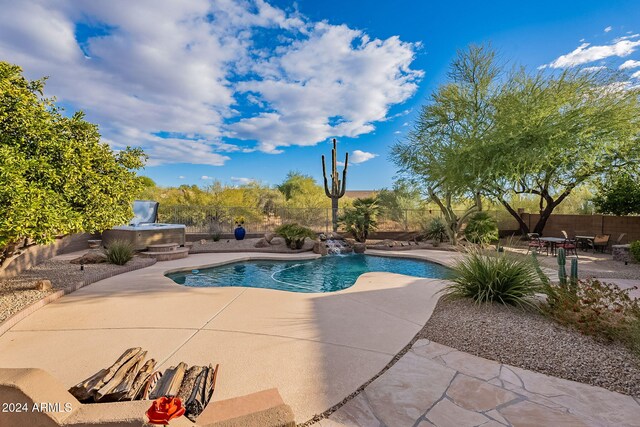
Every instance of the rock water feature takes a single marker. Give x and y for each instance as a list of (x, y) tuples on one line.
[(332, 244), (337, 247)]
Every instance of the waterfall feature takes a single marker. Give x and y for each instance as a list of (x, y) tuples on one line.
[(335, 246)]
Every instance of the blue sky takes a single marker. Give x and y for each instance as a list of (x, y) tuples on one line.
[(239, 90)]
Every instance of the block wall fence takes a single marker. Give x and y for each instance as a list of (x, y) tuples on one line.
[(589, 225)]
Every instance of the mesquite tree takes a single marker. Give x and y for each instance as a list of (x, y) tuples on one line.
[(541, 134)]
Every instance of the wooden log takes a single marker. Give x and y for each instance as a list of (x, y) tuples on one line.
[(188, 382), (170, 382), (176, 381), (149, 385), (86, 389), (123, 379), (141, 377), (194, 405), (201, 392), (119, 376)]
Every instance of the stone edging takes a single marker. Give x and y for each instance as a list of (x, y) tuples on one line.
[(15, 318)]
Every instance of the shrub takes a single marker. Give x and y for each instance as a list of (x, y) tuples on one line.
[(599, 309), (119, 252), (294, 234), (56, 175), (482, 229), (214, 231), (634, 249), (496, 277), (434, 230), (360, 219)]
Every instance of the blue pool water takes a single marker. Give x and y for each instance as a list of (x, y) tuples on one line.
[(326, 274)]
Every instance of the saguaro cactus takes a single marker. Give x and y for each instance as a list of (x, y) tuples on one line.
[(337, 186)]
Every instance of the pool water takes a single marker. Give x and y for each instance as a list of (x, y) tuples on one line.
[(326, 274)]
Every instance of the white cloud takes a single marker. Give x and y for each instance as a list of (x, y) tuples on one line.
[(594, 68), (358, 156), (181, 177), (397, 132), (636, 75), (242, 180), (609, 28), (586, 53), (629, 64), (335, 82), (170, 76), (206, 177)]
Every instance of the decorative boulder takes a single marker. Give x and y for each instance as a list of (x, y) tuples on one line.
[(203, 241), (335, 236), (359, 248), (91, 257), (277, 241), (262, 243), (388, 242), (322, 237), (320, 247), (44, 285), (268, 237)]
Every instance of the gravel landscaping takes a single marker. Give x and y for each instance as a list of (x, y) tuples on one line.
[(529, 340), (19, 292)]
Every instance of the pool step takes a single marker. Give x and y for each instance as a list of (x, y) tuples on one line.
[(164, 255)]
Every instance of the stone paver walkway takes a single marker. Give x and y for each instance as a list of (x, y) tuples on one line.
[(435, 385)]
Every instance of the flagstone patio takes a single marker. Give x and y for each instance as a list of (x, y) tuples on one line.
[(435, 385)]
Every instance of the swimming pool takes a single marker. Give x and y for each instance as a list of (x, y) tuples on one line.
[(326, 274)]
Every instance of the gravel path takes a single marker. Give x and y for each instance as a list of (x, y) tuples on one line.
[(18, 292), (531, 341)]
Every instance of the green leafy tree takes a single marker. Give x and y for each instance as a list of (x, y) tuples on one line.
[(537, 135), (458, 116), (553, 133), (56, 177), (619, 195), (399, 203)]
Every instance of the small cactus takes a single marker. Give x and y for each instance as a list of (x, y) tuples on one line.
[(562, 261), (574, 271)]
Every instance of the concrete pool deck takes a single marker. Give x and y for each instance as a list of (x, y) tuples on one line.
[(315, 348)]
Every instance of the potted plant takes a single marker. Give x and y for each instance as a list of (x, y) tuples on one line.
[(239, 232)]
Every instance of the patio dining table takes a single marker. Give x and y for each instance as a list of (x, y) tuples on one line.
[(553, 242), (584, 241)]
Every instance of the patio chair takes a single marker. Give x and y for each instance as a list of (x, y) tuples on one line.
[(569, 245), (601, 241), (536, 243), (620, 238)]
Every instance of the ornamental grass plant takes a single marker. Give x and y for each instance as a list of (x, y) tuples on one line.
[(501, 277), (119, 252)]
